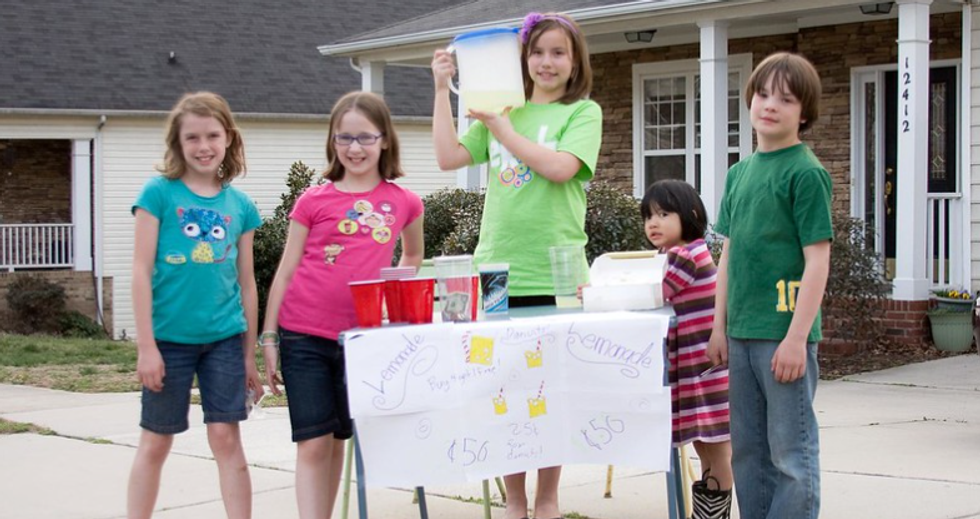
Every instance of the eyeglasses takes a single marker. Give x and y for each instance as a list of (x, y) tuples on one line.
[(364, 139)]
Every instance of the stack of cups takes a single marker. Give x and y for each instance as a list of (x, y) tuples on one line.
[(368, 297), (457, 287), (493, 283), (392, 277), (416, 298)]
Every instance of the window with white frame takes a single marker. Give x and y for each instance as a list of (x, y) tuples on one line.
[(667, 120)]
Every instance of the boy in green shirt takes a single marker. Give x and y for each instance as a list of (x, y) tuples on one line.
[(775, 214)]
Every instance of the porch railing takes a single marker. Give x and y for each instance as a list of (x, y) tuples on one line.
[(36, 246), (945, 240)]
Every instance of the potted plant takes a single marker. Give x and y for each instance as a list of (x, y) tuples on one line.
[(951, 320)]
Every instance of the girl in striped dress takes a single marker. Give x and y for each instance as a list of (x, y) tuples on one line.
[(675, 222)]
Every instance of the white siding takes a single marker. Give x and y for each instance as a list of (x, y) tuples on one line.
[(132, 147), (975, 148), (23, 127)]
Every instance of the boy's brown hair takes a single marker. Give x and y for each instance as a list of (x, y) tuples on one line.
[(580, 82), (795, 73), (372, 107), (203, 104)]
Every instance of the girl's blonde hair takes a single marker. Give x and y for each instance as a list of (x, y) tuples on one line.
[(203, 104), (374, 108), (580, 82)]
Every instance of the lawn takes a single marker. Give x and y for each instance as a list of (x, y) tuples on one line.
[(82, 365)]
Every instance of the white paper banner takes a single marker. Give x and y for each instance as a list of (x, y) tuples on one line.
[(446, 403)]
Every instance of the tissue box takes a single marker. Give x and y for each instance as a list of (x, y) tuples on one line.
[(625, 281)]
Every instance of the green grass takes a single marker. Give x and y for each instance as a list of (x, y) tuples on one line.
[(69, 364), (8, 427)]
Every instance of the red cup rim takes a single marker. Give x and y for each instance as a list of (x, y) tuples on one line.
[(367, 282)]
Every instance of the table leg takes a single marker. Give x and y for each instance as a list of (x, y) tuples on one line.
[(423, 510), (486, 499), (361, 488), (348, 461)]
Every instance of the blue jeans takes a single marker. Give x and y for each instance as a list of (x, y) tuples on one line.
[(775, 440), (314, 373), (220, 369)]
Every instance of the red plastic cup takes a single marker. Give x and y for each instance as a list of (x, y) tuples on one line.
[(393, 300), (417, 297), (368, 296)]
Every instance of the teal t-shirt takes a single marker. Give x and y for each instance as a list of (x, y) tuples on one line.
[(525, 213), (196, 295), (774, 204)]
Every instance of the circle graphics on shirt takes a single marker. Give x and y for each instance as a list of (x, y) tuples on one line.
[(347, 227), (516, 175), (363, 219)]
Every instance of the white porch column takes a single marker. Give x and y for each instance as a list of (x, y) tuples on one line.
[(81, 203), (714, 113), (373, 77), (911, 282)]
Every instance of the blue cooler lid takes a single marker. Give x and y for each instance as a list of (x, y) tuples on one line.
[(482, 33)]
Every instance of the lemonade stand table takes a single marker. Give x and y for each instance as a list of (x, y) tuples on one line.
[(454, 402)]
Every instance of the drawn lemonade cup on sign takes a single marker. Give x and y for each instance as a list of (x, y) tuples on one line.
[(500, 403), (537, 406), (534, 357), (481, 351)]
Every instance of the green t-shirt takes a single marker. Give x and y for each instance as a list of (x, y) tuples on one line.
[(525, 213), (196, 296), (774, 204)]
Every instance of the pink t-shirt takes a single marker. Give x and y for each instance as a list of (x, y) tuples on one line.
[(352, 237)]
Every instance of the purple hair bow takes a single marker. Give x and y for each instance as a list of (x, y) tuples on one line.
[(533, 18)]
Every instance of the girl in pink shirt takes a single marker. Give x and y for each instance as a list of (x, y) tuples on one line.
[(675, 222), (339, 232)]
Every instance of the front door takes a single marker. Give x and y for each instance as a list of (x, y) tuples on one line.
[(942, 165)]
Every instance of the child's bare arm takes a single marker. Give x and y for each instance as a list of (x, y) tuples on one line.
[(413, 244), (149, 363), (291, 255), (450, 154), (250, 303), (789, 361), (718, 343)]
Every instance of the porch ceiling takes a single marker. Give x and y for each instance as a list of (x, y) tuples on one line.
[(674, 25)]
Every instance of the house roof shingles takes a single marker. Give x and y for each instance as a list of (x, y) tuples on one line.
[(262, 56), (478, 12)]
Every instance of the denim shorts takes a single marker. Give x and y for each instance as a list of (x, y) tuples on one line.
[(316, 386), (220, 370)]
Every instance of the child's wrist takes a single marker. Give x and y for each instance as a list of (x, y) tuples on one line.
[(268, 339)]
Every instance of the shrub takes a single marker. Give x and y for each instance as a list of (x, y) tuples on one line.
[(452, 221), (79, 325), (856, 286), (36, 303), (612, 221), (270, 238)]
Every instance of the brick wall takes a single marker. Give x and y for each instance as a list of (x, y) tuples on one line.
[(79, 291), (868, 43), (35, 181)]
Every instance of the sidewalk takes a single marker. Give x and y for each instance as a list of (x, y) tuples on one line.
[(902, 443)]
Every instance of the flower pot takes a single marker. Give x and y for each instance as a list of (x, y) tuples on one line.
[(952, 331), (954, 305)]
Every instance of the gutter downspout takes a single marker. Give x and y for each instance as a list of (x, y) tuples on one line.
[(98, 184), (966, 138)]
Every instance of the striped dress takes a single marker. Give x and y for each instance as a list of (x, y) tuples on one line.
[(699, 405)]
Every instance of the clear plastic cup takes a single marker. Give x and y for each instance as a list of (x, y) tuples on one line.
[(569, 270), (456, 288)]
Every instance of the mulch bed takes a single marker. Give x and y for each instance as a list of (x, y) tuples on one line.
[(880, 356)]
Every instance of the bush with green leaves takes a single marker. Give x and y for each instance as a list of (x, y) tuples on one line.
[(78, 325), (856, 287), (37, 305), (270, 238), (612, 221), (452, 222)]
